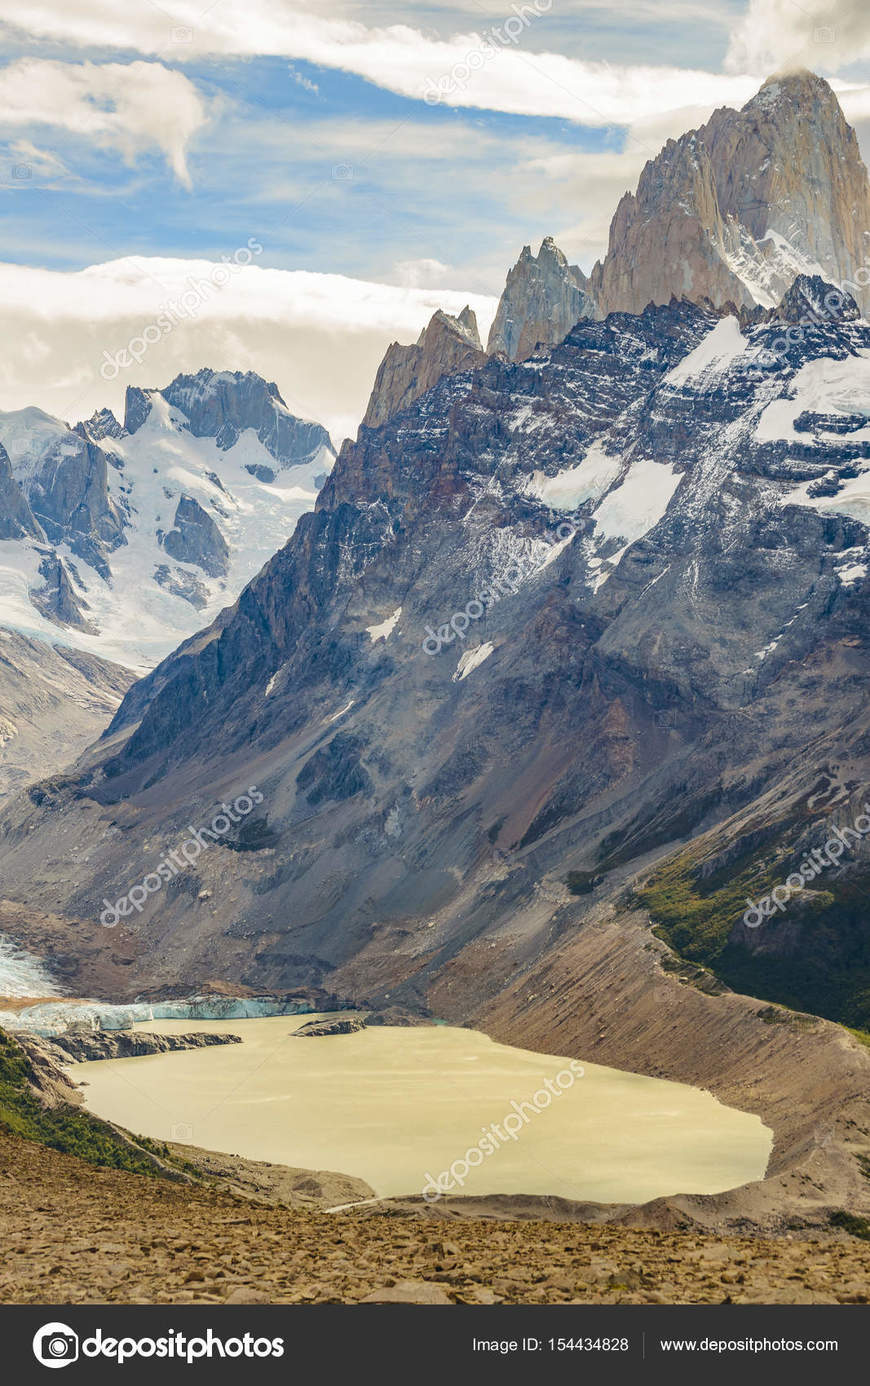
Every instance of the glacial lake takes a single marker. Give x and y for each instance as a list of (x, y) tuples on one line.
[(392, 1105)]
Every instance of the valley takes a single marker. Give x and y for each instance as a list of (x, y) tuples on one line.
[(532, 690)]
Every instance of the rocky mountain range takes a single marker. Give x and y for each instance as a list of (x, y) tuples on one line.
[(730, 213), (553, 708), (557, 620), (555, 625)]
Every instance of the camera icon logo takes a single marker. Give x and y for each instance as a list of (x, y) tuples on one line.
[(22, 172), (181, 1132), (181, 34), (56, 1345)]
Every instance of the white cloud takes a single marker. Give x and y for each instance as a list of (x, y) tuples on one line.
[(40, 162), (826, 34), (503, 74), (125, 106), (302, 81), (422, 274), (319, 336), (396, 56)]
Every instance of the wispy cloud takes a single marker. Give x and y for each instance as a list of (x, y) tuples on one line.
[(123, 106), (399, 57)]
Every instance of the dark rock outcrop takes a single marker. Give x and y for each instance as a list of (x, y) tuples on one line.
[(82, 1046), (17, 520), (58, 599), (102, 424), (196, 539), (315, 1029)]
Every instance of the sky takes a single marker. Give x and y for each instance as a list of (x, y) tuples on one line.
[(318, 179)]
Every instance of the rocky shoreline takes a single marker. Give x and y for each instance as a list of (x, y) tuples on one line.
[(84, 1047)]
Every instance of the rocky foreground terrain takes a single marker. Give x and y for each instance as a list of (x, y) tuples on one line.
[(77, 1235)]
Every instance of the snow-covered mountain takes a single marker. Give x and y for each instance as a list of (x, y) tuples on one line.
[(122, 540)]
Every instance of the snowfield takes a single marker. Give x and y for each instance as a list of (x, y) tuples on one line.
[(139, 620)]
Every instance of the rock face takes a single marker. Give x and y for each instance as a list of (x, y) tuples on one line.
[(54, 701), (542, 300), (196, 539), (17, 520), (733, 211), (446, 346), (63, 477), (58, 599)]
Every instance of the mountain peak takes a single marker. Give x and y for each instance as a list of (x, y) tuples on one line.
[(811, 297), (791, 86), (468, 319), (543, 298), (223, 404), (735, 210), (446, 346)]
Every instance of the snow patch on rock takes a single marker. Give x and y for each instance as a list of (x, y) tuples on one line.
[(712, 356), (566, 490), (634, 507), (384, 630), (471, 659)]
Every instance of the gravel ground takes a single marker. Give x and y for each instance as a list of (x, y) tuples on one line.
[(77, 1235)]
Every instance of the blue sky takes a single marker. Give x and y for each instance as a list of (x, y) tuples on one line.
[(410, 148), (342, 170), (332, 172)]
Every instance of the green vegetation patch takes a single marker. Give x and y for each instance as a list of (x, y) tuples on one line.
[(65, 1128), (851, 1223), (814, 956)]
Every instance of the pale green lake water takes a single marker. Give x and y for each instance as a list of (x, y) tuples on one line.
[(389, 1104)]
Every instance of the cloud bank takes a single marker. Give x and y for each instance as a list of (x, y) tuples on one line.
[(320, 337)]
